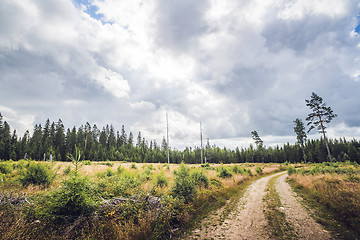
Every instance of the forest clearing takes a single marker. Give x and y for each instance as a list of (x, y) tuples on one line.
[(123, 200)]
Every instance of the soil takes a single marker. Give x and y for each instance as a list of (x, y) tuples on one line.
[(247, 219)]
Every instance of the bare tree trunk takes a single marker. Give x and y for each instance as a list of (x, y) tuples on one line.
[(327, 146), (303, 152), (326, 142)]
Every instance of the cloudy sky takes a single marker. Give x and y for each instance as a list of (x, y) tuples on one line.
[(236, 66)]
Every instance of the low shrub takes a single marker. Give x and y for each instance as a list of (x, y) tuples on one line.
[(5, 168), (109, 172), (206, 165), (215, 183), (133, 166), (67, 170), (120, 169), (110, 164), (150, 167), (184, 186), (146, 175), (37, 174), (21, 164), (125, 184), (74, 198), (258, 170), (87, 162), (224, 172), (161, 180), (237, 169), (200, 178), (291, 170)]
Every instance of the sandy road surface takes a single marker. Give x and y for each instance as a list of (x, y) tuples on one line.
[(305, 226), (247, 220)]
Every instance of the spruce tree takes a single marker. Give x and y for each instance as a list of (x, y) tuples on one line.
[(299, 129)]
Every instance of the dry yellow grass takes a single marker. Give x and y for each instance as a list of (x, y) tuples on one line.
[(336, 193)]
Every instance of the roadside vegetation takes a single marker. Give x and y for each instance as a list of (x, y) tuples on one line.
[(78, 200), (332, 189)]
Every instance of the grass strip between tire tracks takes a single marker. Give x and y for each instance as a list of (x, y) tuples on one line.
[(279, 227), (227, 200)]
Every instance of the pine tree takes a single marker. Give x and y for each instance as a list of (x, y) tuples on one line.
[(320, 116), (255, 136)]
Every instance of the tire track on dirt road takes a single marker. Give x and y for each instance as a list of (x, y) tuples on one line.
[(247, 220), (304, 225)]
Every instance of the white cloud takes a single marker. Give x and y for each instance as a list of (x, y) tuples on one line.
[(341, 130), (235, 66), (20, 121), (297, 9), (112, 82)]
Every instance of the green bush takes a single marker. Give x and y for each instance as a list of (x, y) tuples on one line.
[(5, 168), (21, 164), (37, 174), (224, 172), (133, 166), (206, 165), (125, 184), (259, 170), (87, 162), (237, 169), (291, 170), (184, 186), (250, 172), (120, 169), (73, 199), (150, 167), (161, 180), (110, 164), (200, 178), (67, 170), (109, 172), (146, 175), (215, 183)]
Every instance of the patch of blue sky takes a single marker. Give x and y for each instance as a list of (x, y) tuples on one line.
[(88, 7), (357, 29)]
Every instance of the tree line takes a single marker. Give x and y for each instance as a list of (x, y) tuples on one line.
[(53, 141)]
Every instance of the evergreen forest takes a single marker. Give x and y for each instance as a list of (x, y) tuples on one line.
[(54, 141)]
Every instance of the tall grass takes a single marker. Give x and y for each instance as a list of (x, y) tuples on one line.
[(335, 187)]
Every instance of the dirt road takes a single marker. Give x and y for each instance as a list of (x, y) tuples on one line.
[(247, 220)]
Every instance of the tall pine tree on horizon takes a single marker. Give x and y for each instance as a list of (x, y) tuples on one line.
[(321, 115)]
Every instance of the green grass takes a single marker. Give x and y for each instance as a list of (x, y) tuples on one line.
[(280, 228)]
